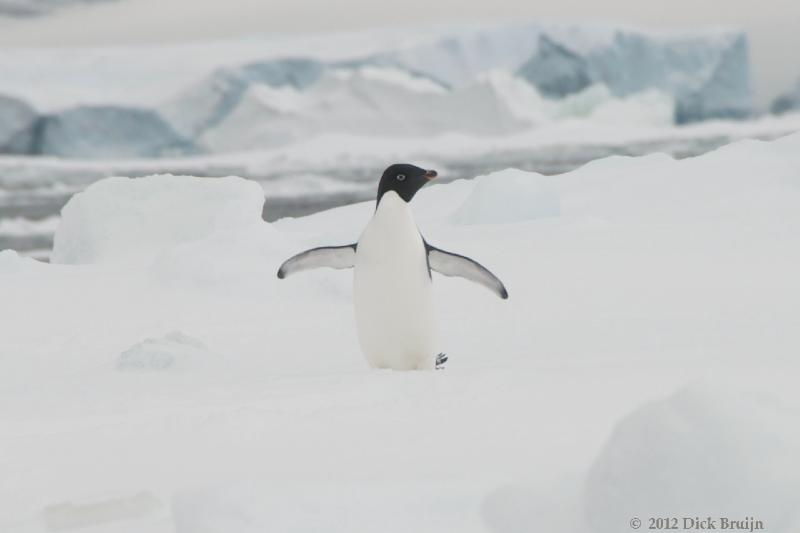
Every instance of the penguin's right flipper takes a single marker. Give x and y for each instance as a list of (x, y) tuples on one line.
[(450, 264), (325, 256)]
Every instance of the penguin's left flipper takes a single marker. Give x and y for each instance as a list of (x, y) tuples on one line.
[(451, 264), (325, 256)]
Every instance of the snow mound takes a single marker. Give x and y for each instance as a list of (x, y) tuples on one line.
[(17, 126), (704, 451), (109, 131), (124, 220), (509, 196), (173, 350)]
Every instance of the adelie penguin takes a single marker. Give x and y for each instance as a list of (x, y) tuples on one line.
[(392, 290)]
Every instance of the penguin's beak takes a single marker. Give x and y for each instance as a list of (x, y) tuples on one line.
[(430, 174)]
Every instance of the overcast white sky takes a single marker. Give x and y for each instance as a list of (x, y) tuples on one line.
[(773, 25)]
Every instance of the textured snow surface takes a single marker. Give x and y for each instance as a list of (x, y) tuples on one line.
[(173, 350), (646, 359)]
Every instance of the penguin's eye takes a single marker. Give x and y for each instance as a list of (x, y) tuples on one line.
[(401, 177)]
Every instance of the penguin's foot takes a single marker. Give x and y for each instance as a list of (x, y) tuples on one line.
[(441, 359)]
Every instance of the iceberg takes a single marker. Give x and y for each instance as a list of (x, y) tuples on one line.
[(204, 105), (787, 102), (109, 131), (17, 126), (706, 71), (481, 81), (233, 113), (426, 87), (708, 75)]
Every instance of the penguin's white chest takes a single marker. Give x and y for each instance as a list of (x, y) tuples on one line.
[(392, 290)]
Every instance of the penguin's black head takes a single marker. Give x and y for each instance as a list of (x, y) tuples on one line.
[(405, 180)]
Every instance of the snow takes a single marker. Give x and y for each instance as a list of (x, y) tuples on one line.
[(652, 275)]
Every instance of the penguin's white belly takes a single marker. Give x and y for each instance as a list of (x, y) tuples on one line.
[(393, 294)]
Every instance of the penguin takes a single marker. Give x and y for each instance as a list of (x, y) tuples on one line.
[(392, 282)]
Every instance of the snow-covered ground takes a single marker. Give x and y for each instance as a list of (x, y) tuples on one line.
[(158, 376)]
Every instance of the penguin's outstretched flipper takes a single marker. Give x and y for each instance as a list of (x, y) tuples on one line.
[(450, 264), (325, 256)]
